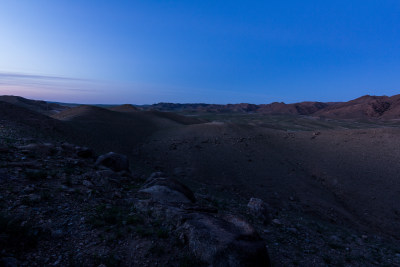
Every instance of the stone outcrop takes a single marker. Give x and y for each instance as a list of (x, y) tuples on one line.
[(215, 239), (167, 190), (114, 161), (259, 209)]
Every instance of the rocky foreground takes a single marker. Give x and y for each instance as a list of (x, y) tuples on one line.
[(63, 205)]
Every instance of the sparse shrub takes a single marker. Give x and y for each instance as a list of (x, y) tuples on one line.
[(45, 195), (162, 233), (156, 250), (113, 216), (107, 260), (348, 258), (68, 180), (52, 151), (295, 263), (17, 236), (36, 175), (219, 204), (27, 201), (327, 259), (335, 245), (144, 232), (74, 262), (69, 170), (189, 260), (134, 219)]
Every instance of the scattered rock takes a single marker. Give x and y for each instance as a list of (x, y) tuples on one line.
[(155, 175), (4, 176), (292, 230), (335, 238), (67, 146), (218, 240), (172, 185), (4, 149), (114, 161), (103, 179), (179, 172), (84, 152), (38, 149), (87, 183), (57, 233), (9, 262), (34, 197), (228, 241), (258, 208), (276, 222), (164, 194)]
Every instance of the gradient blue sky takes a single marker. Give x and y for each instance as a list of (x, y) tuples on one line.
[(199, 51)]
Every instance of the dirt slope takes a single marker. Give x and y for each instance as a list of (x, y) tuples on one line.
[(34, 123), (35, 105), (347, 176), (360, 167), (121, 131)]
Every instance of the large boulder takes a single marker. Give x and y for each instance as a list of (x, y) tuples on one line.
[(167, 190), (9, 262), (114, 161), (164, 194), (217, 240), (38, 149), (102, 180), (84, 152), (259, 209), (224, 241)]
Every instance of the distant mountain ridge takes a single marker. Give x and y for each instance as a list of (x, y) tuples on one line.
[(365, 107), (302, 108)]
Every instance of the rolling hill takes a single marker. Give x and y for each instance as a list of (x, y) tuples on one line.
[(39, 106), (106, 129)]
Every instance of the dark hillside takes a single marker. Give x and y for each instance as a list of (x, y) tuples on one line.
[(42, 107)]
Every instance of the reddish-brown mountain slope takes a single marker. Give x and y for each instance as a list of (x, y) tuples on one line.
[(302, 108), (365, 107)]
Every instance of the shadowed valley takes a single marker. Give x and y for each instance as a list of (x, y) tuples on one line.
[(326, 176)]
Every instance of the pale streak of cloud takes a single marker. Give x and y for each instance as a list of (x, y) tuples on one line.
[(64, 89), (36, 81), (52, 88), (10, 75)]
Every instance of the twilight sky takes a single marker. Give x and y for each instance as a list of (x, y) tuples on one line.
[(143, 52)]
